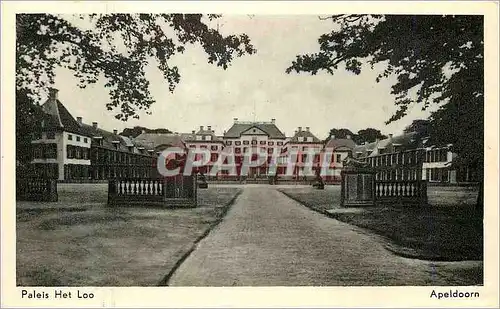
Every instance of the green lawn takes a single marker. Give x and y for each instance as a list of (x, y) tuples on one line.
[(449, 230), (101, 246)]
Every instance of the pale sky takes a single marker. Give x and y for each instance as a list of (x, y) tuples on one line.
[(254, 87)]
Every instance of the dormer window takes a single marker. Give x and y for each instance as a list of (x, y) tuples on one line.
[(300, 138), (98, 140), (131, 148), (116, 144)]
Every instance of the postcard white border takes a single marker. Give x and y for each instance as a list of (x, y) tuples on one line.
[(256, 297)]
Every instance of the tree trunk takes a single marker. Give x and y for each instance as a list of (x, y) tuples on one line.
[(480, 199)]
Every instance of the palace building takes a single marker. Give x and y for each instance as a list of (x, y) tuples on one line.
[(70, 150), (404, 151)]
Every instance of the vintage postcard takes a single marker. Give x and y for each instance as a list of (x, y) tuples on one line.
[(249, 154)]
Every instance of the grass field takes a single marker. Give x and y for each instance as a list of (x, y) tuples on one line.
[(447, 230), (100, 246)]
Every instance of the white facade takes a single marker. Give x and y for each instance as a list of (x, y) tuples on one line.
[(62, 140)]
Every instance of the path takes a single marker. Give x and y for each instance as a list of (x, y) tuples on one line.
[(268, 239)]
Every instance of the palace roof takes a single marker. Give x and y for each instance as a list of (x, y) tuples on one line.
[(305, 134), (269, 128)]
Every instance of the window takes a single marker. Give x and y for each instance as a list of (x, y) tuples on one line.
[(262, 142), (213, 157), (37, 151), (51, 135), (245, 149), (37, 135), (77, 138), (85, 155), (305, 148), (69, 152), (70, 137), (279, 143), (85, 140), (300, 138), (237, 143), (270, 143), (214, 147), (246, 142), (339, 158), (309, 139), (444, 155), (203, 147), (228, 143), (192, 146), (237, 150), (50, 151), (254, 142), (270, 150)]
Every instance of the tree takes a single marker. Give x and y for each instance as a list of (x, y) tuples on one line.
[(419, 125), (340, 133), (116, 48), (437, 59), (368, 135), (137, 130), (28, 119)]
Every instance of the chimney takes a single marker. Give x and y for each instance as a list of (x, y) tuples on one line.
[(53, 93), (143, 131), (193, 132), (209, 128), (115, 131), (307, 129), (295, 132), (348, 136), (201, 128), (79, 120), (235, 120), (94, 125), (273, 120), (390, 135), (300, 129), (224, 132)]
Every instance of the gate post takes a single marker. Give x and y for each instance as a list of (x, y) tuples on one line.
[(357, 187)]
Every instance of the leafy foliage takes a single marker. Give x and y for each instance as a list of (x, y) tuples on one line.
[(137, 130), (118, 48), (437, 59), (340, 133), (366, 135)]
